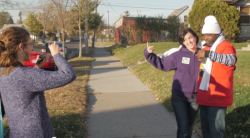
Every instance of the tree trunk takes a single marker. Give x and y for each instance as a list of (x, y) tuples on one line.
[(80, 34), (86, 27)]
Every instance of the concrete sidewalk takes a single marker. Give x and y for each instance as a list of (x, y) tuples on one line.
[(120, 106)]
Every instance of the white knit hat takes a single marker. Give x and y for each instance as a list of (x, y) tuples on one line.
[(211, 26)]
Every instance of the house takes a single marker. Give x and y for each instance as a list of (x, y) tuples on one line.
[(182, 13), (12, 25), (119, 27), (5, 26), (244, 9), (108, 32), (126, 31)]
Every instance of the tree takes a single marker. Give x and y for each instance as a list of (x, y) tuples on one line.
[(93, 22), (10, 21), (4, 16), (173, 29), (227, 16), (20, 17), (45, 15), (33, 24), (63, 17), (127, 14), (8, 3)]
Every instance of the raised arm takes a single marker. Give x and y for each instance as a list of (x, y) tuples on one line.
[(40, 80), (164, 64)]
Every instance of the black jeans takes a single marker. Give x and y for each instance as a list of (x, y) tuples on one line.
[(185, 110)]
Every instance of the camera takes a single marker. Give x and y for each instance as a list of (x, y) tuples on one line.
[(41, 59)]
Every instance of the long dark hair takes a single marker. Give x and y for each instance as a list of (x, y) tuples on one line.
[(9, 41), (184, 33)]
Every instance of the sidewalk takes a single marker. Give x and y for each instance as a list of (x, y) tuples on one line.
[(120, 106)]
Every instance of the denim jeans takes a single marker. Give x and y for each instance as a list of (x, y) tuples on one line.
[(213, 121), (185, 110)]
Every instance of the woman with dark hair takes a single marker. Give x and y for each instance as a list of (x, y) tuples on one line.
[(22, 88), (184, 87)]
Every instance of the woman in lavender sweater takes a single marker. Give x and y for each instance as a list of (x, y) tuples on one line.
[(22, 88), (184, 87)]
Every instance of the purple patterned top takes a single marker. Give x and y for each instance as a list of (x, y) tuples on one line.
[(23, 97)]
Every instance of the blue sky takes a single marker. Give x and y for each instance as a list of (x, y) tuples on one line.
[(135, 7)]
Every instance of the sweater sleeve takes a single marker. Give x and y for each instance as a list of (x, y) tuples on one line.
[(227, 58), (164, 63), (38, 80)]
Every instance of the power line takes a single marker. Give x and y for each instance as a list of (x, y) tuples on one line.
[(150, 5), (138, 7), (111, 7)]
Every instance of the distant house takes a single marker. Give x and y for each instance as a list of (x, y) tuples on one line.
[(182, 13), (5, 26), (108, 32), (128, 23), (119, 27), (12, 25), (244, 9)]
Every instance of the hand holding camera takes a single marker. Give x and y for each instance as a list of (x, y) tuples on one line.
[(54, 48), (42, 59)]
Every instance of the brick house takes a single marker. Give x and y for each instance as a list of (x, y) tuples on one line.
[(125, 24), (120, 25)]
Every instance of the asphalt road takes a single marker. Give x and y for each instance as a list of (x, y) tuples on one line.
[(72, 48)]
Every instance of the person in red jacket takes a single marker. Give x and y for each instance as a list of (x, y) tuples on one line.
[(215, 81)]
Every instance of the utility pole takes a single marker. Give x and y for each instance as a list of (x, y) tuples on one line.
[(86, 27), (108, 25), (93, 40)]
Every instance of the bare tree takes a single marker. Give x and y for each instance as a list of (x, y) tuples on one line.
[(93, 39), (8, 4), (86, 35), (63, 17), (79, 5), (45, 15)]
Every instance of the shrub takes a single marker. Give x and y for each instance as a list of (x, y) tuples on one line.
[(227, 16)]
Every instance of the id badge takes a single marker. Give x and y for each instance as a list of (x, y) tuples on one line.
[(185, 60)]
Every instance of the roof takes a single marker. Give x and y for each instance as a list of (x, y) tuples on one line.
[(179, 11), (227, 1), (12, 25)]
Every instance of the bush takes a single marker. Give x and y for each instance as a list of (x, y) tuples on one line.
[(227, 16)]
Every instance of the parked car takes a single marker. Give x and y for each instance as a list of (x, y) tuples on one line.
[(68, 40), (49, 65), (59, 44)]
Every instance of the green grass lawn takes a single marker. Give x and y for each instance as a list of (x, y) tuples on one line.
[(238, 115), (240, 45), (130, 56)]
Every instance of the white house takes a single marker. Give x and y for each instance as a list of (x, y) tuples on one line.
[(182, 13), (12, 25), (5, 26)]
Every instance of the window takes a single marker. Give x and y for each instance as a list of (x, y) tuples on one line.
[(245, 10), (245, 15), (244, 19), (185, 18)]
